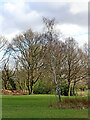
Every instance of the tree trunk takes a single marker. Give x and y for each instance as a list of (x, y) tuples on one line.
[(69, 89), (58, 89), (25, 85), (31, 89), (29, 84), (74, 88), (59, 96), (5, 86), (69, 80), (31, 80)]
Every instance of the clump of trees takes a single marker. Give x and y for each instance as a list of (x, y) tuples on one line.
[(41, 59)]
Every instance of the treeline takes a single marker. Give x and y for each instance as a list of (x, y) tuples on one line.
[(43, 64)]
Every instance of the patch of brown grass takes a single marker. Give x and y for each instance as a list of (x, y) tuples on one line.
[(71, 103)]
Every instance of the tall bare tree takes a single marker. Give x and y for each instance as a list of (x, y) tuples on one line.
[(53, 47), (75, 63), (28, 49)]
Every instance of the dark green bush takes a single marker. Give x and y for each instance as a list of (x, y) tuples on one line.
[(42, 88), (64, 90)]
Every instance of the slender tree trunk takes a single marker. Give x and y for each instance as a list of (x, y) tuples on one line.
[(69, 89), (54, 75), (31, 81), (25, 86), (31, 89), (58, 89), (74, 88), (59, 95), (5, 85), (69, 80), (29, 84)]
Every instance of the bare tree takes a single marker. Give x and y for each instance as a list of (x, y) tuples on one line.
[(52, 39), (28, 49), (7, 77), (75, 63), (21, 77)]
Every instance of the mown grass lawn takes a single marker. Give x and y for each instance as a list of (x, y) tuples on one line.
[(85, 93), (36, 106)]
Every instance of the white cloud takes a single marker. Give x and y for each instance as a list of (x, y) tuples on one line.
[(12, 35), (81, 39), (80, 34), (71, 29), (9, 7), (19, 16), (15, 7), (78, 7), (1, 21)]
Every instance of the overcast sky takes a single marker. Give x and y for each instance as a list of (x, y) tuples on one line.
[(71, 18)]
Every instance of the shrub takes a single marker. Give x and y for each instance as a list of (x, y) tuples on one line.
[(83, 87), (42, 88), (64, 90)]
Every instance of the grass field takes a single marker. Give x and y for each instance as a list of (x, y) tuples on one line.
[(37, 106), (85, 93)]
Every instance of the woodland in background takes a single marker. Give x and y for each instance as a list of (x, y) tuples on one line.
[(43, 64)]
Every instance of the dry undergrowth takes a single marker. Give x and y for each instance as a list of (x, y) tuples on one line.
[(71, 104)]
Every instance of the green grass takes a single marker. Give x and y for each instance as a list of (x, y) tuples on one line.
[(36, 106), (86, 93)]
